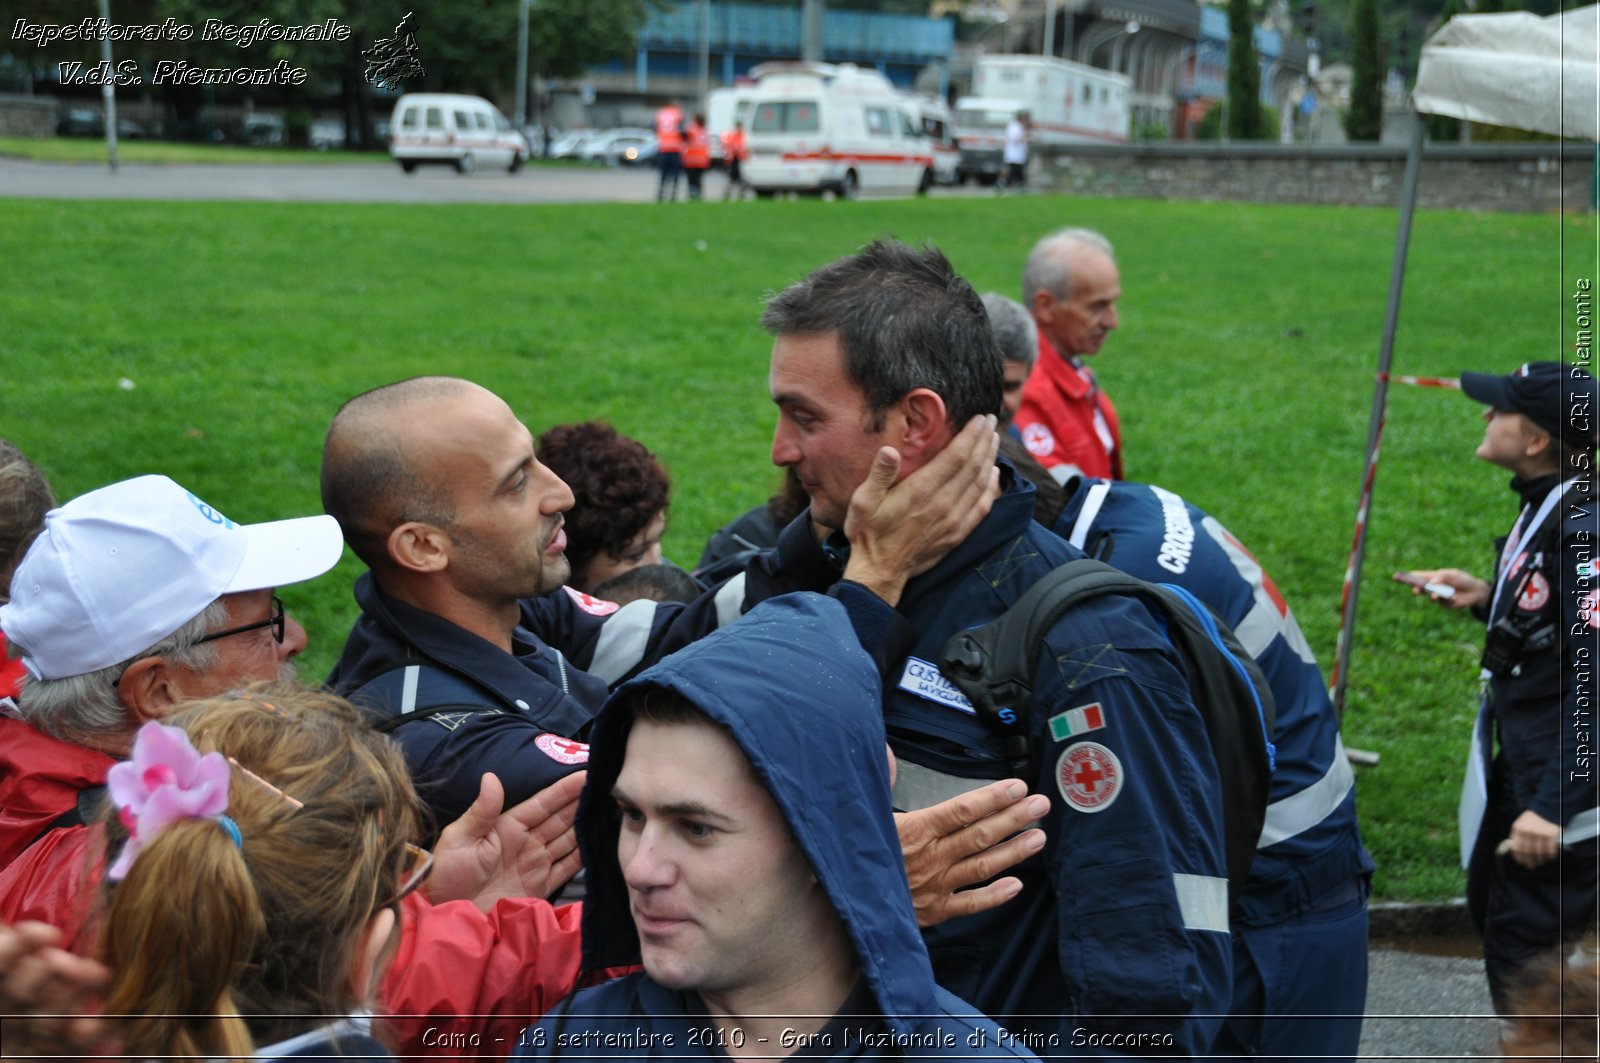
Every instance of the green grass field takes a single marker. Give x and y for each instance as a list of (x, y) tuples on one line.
[(159, 152), (175, 153), (1243, 371)]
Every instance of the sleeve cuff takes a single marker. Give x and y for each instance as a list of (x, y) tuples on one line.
[(883, 632)]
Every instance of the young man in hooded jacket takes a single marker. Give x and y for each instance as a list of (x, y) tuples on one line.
[(740, 842)]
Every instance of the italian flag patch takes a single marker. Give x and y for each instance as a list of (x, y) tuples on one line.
[(1081, 720)]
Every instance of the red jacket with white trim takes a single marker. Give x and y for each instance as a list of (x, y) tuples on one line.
[(1066, 421)]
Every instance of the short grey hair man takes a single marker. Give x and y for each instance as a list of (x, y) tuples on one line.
[(1049, 265), (139, 595), (1018, 339)]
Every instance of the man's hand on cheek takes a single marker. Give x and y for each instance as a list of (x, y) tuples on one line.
[(900, 530)]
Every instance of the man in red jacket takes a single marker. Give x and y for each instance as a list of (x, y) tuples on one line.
[(1066, 421)]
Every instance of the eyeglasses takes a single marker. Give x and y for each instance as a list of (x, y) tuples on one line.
[(419, 861), (275, 622), (419, 865)]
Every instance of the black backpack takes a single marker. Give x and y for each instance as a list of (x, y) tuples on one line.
[(993, 666)]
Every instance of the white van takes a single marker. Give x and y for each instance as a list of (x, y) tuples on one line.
[(939, 126), (1070, 103), (817, 127), (463, 131)]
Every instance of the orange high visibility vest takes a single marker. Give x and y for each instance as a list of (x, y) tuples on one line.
[(669, 123), (697, 153)]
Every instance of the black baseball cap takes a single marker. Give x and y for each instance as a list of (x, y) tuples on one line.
[(1562, 399)]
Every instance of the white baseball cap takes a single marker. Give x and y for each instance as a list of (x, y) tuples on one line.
[(119, 569)]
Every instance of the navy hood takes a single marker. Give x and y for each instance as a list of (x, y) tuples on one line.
[(792, 685)]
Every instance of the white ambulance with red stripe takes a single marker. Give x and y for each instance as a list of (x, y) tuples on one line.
[(1069, 103), (821, 127)]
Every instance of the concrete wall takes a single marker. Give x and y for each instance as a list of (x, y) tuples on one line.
[(1536, 176), (27, 116)]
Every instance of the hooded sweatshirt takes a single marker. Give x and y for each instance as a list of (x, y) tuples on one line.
[(792, 686)]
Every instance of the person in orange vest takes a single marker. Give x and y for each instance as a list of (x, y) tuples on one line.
[(696, 155), (733, 155), (669, 149)]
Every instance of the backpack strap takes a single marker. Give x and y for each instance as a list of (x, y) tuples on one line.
[(83, 812), (993, 666)]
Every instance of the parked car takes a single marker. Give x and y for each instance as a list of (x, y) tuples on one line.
[(84, 122), (625, 147), (632, 154), (461, 131), (262, 130), (574, 144), (599, 149), (326, 133)]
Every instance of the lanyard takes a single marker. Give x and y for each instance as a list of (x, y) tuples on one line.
[(1519, 535)]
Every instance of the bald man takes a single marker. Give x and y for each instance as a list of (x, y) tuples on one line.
[(471, 650)]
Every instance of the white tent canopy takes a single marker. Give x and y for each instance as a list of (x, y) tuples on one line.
[(1515, 69)]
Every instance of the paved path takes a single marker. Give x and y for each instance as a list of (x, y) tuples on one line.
[(345, 183), (1422, 1006)]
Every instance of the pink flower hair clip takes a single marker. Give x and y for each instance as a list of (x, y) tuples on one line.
[(166, 780)]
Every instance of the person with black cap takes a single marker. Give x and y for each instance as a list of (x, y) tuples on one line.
[(1529, 818)]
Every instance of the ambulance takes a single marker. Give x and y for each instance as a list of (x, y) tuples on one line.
[(824, 127)]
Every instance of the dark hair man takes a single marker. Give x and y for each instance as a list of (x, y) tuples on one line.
[(1120, 938)]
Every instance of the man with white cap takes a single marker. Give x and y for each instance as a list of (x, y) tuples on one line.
[(136, 597)]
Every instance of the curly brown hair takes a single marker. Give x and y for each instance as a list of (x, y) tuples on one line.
[(619, 487)]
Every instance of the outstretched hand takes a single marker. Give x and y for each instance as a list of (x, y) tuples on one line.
[(529, 850), (900, 530), (968, 839), (48, 996), (1470, 591)]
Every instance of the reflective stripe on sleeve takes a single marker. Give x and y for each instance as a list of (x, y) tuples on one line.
[(916, 787), (622, 641), (1582, 827), (1203, 901), (1304, 810), (730, 601), (1092, 501), (408, 692)]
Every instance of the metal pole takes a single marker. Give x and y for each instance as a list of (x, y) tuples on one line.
[(813, 14), (1049, 28), (705, 52), (1380, 400), (108, 91), (521, 118)]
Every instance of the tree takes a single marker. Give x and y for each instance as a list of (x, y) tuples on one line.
[(1244, 75), (1365, 119)]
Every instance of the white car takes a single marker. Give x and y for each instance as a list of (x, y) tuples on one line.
[(461, 131)]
